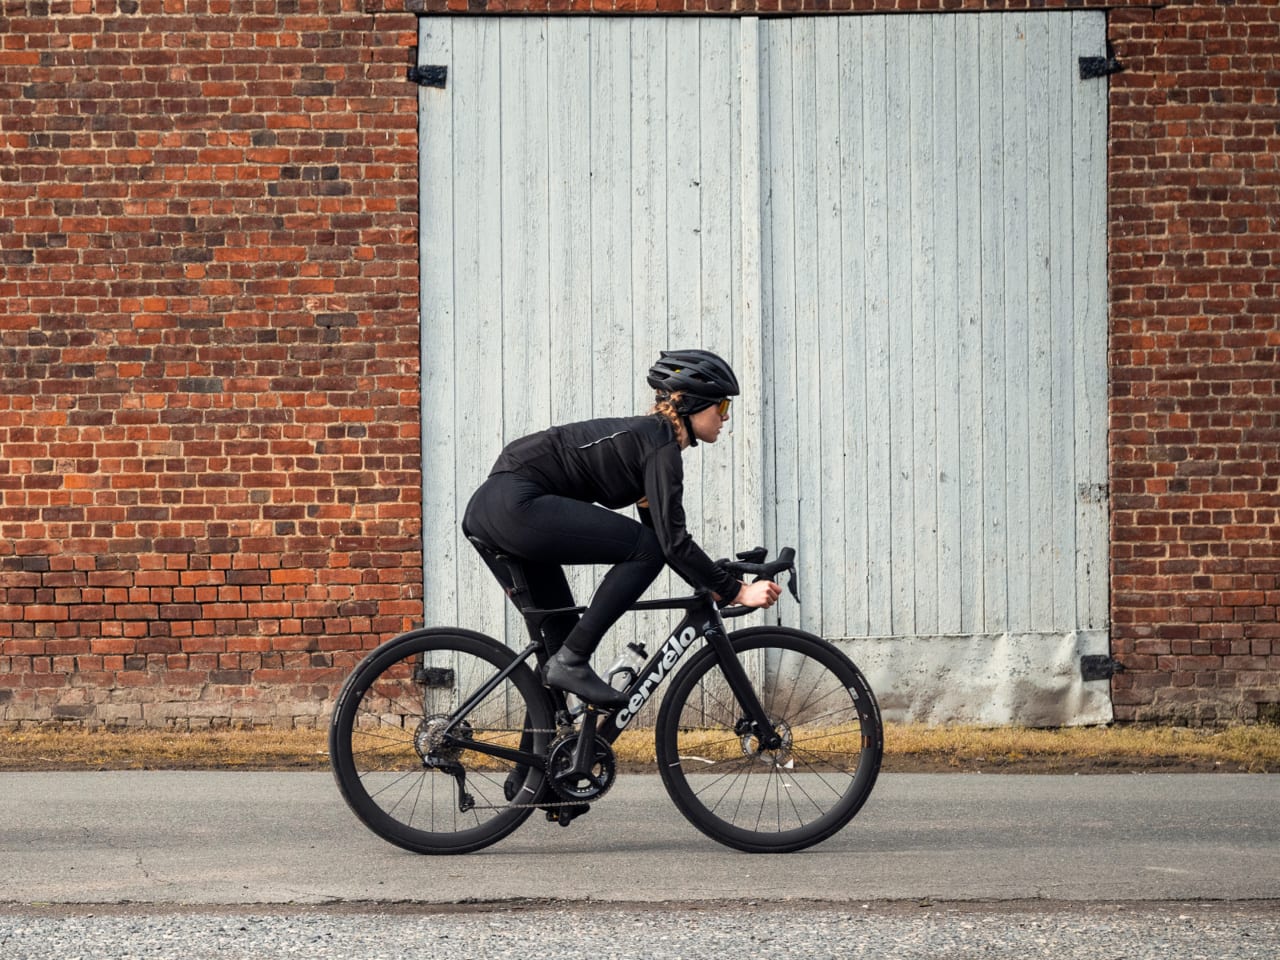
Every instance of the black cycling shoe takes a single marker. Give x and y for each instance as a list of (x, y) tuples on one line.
[(570, 672)]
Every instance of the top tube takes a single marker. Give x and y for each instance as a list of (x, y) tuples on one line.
[(667, 603), (701, 598)]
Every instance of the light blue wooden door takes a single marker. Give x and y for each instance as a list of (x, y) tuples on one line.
[(580, 211), (934, 277), (894, 227)]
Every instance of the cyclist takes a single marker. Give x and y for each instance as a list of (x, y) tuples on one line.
[(544, 503)]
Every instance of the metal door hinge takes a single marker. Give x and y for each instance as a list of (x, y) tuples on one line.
[(434, 676), (1100, 667), (431, 75), (1093, 67)]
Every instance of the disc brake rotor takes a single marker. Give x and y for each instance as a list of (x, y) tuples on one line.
[(779, 756)]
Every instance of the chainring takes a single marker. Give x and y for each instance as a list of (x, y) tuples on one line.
[(580, 789)]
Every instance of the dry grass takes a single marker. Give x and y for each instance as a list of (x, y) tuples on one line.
[(75, 749), (1254, 749)]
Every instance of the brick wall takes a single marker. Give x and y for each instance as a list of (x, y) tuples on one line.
[(208, 376), (1195, 412), (208, 355)]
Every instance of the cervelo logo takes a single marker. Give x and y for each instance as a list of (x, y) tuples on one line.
[(672, 651)]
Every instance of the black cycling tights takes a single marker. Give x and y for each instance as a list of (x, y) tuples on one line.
[(544, 531)]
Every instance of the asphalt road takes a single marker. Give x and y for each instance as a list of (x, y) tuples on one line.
[(287, 838)]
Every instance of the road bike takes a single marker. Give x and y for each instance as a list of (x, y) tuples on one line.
[(768, 740)]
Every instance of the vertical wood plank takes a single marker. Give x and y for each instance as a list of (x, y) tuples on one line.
[(525, 261), (1014, 205), (825, 541), (608, 246), (852, 319), (875, 189), (569, 217), (437, 318), (750, 428), (526, 322), (768, 477), (610, 237), (994, 479), (1039, 397), (782, 249), (478, 275), (718, 271), (901, 335), (944, 201), (805, 446), (1089, 188), (923, 350), (1062, 262), (649, 188), (570, 146), (969, 274), (682, 240), (649, 184)]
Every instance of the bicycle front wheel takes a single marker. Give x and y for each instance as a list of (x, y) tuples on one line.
[(771, 800), (400, 751)]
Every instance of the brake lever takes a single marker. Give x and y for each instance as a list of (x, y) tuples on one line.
[(793, 583), (786, 563)]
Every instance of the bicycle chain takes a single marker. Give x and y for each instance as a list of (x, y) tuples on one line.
[(558, 732)]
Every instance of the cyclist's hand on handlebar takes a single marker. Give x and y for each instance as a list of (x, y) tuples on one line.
[(761, 593)]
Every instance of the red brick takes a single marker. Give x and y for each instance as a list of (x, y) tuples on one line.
[(166, 462)]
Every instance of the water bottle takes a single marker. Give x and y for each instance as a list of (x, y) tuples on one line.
[(623, 673)]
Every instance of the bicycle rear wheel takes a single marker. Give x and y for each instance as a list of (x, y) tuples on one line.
[(784, 799), (390, 746)]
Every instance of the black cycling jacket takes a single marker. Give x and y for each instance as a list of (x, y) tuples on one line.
[(616, 462)]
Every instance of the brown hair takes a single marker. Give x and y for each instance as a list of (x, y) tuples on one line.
[(665, 405)]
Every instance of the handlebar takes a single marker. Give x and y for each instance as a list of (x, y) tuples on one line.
[(752, 563)]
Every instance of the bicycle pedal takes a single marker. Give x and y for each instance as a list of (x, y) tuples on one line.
[(566, 815)]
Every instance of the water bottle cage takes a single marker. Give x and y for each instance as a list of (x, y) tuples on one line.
[(626, 672)]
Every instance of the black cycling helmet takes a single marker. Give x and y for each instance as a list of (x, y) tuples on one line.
[(700, 375)]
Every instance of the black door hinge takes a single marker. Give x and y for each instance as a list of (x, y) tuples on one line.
[(1100, 667), (432, 75), (1093, 67), (433, 676)]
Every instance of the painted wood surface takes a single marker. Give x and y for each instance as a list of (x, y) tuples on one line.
[(582, 209), (935, 290), (893, 226)]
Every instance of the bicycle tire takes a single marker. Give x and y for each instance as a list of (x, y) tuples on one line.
[(776, 801), (380, 738)]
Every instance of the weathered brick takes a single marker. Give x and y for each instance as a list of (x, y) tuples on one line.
[(217, 255), (150, 485)]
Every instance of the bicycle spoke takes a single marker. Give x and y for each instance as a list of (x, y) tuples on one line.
[(413, 769), (805, 787)]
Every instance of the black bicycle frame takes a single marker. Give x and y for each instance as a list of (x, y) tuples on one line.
[(702, 619)]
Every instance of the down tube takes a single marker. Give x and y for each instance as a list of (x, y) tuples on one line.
[(657, 671)]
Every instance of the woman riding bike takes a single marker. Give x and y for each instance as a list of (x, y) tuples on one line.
[(544, 503)]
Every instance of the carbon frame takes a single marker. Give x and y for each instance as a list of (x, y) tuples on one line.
[(702, 619)]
